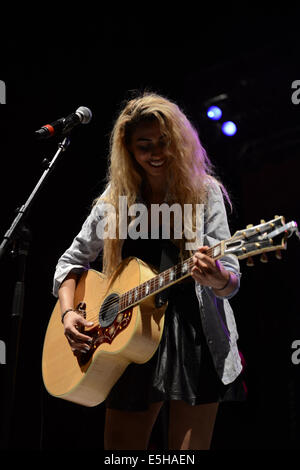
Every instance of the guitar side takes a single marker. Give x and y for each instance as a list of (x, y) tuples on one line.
[(88, 383), (132, 332)]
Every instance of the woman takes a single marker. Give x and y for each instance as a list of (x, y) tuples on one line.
[(156, 157)]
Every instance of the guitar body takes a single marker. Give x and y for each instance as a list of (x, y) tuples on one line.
[(130, 336), (127, 325)]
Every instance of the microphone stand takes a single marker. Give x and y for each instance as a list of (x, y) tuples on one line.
[(20, 236)]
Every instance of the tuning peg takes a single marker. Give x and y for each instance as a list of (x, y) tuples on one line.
[(264, 258), (249, 226), (262, 221), (278, 254), (250, 261), (276, 216)]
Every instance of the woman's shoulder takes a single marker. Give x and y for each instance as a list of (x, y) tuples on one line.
[(214, 189), (217, 200)]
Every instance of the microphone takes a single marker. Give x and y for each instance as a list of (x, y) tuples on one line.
[(63, 126)]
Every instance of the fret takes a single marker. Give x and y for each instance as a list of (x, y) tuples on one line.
[(216, 250), (184, 268), (150, 287), (234, 245)]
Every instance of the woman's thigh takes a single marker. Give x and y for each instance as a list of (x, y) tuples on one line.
[(191, 427), (129, 430)]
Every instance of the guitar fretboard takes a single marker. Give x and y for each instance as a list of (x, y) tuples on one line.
[(162, 281)]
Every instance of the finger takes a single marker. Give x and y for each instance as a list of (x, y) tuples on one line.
[(79, 325), (197, 273), (201, 257), (79, 337), (78, 348), (202, 249), (204, 267), (77, 319), (206, 263), (197, 259), (77, 345), (84, 322), (203, 264)]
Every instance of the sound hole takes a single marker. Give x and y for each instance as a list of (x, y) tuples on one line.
[(109, 310)]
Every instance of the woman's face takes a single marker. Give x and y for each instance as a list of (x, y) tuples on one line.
[(148, 146)]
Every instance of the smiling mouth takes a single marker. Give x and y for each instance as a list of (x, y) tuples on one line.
[(157, 164)]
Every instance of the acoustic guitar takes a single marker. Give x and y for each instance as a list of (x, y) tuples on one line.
[(127, 324)]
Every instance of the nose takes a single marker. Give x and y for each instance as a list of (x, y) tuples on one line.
[(157, 150)]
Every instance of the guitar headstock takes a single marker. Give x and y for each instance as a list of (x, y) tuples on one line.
[(259, 239)]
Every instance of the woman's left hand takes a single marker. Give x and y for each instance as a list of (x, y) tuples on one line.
[(207, 271)]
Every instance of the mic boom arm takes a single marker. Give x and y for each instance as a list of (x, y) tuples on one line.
[(64, 126)]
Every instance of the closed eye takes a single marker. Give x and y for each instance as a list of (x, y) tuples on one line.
[(144, 148)]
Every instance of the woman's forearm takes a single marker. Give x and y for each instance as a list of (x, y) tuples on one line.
[(67, 291)]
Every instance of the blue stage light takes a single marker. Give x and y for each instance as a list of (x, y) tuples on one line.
[(214, 112), (229, 128)]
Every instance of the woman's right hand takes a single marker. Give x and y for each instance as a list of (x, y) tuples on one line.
[(74, 324)]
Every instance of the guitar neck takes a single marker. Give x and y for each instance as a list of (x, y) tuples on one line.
[(165, 279)]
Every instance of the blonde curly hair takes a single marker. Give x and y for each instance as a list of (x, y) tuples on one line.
[(190, 170)]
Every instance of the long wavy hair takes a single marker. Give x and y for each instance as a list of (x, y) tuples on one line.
[(189, 169)]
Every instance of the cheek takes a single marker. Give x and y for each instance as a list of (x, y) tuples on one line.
[(135, 155), (140, 157)]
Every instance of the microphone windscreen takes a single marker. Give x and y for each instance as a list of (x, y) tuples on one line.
[(85, 114)]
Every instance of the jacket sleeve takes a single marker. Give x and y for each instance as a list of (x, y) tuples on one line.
[(84, 249), (216, 229)]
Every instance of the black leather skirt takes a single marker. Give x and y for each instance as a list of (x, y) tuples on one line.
[(181, 368)]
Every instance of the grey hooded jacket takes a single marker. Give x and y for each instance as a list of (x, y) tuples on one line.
[(216, 313)]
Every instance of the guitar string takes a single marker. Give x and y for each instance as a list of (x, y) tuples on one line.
[(118, 302), (176, 268), (155, 284), (155, 280)]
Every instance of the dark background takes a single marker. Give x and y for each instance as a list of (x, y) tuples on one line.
[(254, 59)]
